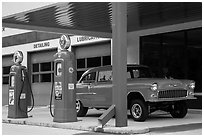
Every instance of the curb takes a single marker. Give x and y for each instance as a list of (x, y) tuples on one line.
[(53, 125), (107, 129), (194, 111), (122, 130)]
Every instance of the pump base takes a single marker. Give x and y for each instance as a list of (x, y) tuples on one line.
[(16, 117), (14, 112), (65, 115)]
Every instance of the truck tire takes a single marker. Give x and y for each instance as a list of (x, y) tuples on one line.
[(179, 109), (81, 110), (138, 110)]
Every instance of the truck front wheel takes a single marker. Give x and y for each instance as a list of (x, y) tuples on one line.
[(179, 109), (138, 110)]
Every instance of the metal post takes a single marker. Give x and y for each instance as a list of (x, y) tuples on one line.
[(119, 58)]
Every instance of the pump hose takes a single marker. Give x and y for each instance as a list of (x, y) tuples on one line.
[(51, 94), (31, 95)]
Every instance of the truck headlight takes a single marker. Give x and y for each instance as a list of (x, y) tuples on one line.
[(191, 93), (192, 85), (154, 87)]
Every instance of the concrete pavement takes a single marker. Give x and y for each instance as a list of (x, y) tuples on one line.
[(40, 116)]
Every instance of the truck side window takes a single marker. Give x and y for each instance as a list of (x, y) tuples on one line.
[(105, 76), (136, 73), (89, 78)]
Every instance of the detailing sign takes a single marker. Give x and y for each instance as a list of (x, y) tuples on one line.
[(41, 45)]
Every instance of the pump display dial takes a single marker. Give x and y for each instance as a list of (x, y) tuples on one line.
[(18, 57), (64, 42)]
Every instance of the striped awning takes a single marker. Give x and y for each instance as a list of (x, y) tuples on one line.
[(95, 18)]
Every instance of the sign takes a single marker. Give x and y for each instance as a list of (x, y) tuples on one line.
[(58, 94), (23, 96), (71, 70), (86, 38), (12, 83), (18, 57), (58, 90), (59, 69), (65, 42), (77, 40), (11, 97), (58, 85), (42, 44), (70, 86)]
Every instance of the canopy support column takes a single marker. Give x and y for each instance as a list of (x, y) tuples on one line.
[(119, 62)]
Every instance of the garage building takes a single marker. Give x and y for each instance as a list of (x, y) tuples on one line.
[(168, 39)]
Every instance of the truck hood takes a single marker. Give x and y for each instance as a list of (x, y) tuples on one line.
[(162, 83)]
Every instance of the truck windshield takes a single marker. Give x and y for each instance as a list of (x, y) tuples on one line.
[(139, 72)]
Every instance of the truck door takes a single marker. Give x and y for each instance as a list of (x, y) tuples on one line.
[(102, 89), (84, 86)]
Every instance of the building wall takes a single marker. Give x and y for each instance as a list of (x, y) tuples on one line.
[(133, 51), (43, 51), (134, 42), (29, 37), (134, 48)]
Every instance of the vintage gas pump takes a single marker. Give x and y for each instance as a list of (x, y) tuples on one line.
[(18, 88), (64, 83)]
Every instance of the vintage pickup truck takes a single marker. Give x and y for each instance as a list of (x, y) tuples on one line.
[(145, 94)]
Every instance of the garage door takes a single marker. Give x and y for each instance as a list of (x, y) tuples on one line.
[(89, 56), (41, 70), (6, 65)]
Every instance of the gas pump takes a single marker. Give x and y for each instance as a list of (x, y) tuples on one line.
[(64, 83), (18, 89)]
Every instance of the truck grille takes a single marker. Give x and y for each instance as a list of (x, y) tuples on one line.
[(172, 93)]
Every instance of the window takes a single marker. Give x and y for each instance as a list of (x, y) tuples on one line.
[(79, 74), (105, 76), (129, 75), (45, 66), (36, 67), (174, 54), (93, 62), (80, 63), (89, 78), (150, 52), (45, 77), (136, 73), (6, 71), (106, 60), (141, 72), (35, 78), (42, 72), (84, 63)]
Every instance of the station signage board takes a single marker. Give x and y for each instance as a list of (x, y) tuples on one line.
[(41, 45), (79, 40)]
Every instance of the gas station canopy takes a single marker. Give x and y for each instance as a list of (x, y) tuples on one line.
[(95, 18), (109, 20)]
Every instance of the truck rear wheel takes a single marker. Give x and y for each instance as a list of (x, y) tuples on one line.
[(138, 110), (81, 110), (179, 109)]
